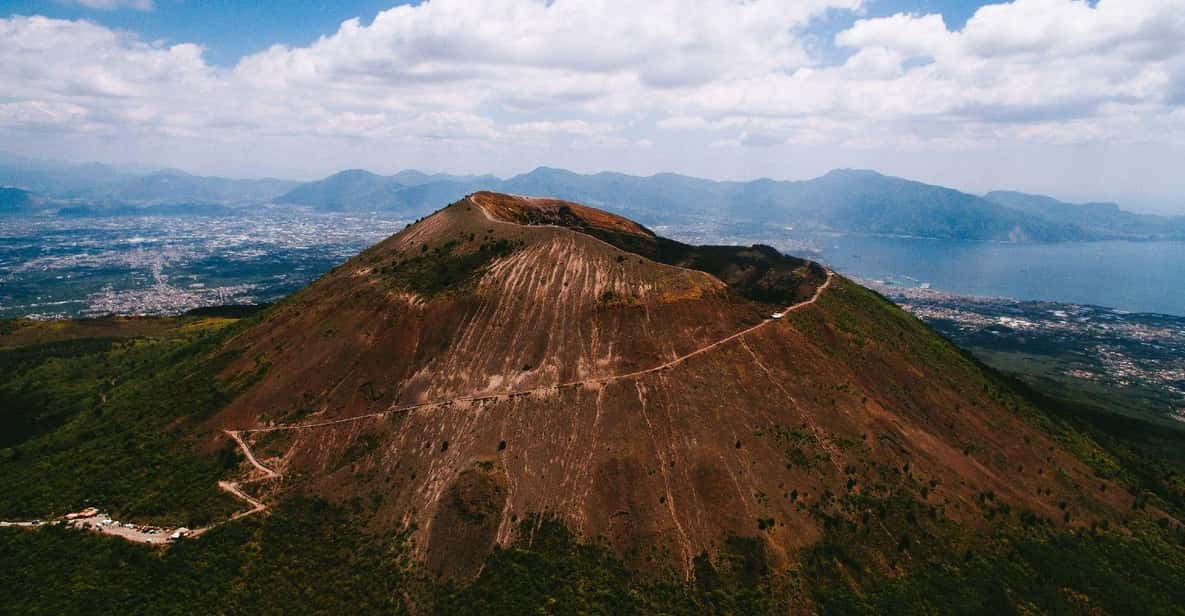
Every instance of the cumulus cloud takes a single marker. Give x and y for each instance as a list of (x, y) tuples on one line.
[(1043, 71), (620, 72), (426, 61), (1016, 70), (908, 35)]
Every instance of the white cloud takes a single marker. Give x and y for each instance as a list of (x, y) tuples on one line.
[(43, 116), (494, 59), (1032, 71), (908, 35), (617, 73), (548, 127), (1016, 70)]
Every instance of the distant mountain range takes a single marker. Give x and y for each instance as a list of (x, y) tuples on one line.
[(851, 201), (845, 201), (57, 178), (1102, 219), (355, 189), (170, 185), (842, 200)]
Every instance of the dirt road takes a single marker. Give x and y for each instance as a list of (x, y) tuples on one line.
[(269, 473), (592, 381), (234, 488)]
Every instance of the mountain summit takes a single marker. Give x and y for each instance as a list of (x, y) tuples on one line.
[(509, 359)]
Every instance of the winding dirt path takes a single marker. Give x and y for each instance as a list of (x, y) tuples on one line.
[(234, 489), (268, 473), (525, 392)]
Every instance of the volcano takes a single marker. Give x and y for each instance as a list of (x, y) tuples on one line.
[(509, 359)]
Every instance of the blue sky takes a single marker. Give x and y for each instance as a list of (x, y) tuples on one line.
[(1081, 99), (229, 29)]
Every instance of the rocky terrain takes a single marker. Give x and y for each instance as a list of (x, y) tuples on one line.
[(508, 357)]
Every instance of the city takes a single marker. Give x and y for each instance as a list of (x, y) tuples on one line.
[(64, 268)]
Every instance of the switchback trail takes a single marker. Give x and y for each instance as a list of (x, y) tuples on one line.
[(234, 488), (268, 473)]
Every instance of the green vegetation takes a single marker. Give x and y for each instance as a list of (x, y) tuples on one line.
[(866, 317), (546, 568), (306, 558), (1034, 570), (313, 557), (548, 571), (446, 266), (1145, 456), (110, 422), (1047, 371), (797, 442), (22, 333), (759, 273), (887, 552)]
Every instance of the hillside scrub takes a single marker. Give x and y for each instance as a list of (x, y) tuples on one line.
[(446, 266), (311, 556), (109, 422)]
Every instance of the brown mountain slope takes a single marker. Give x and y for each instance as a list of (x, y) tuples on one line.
[(504, 357)]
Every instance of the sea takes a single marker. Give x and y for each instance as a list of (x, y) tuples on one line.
[(1130, 276)]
